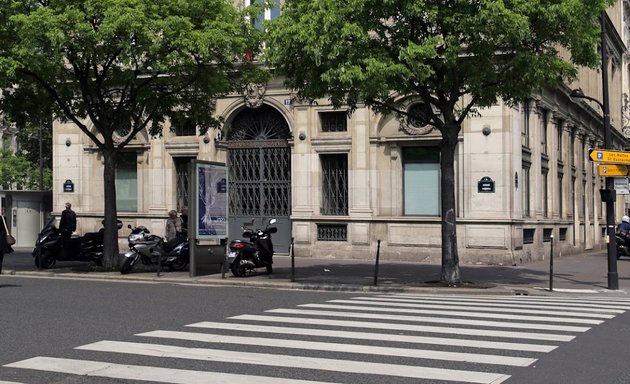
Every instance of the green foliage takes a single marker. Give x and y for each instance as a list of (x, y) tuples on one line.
[(18, 172), (126, 64), (374, 51)]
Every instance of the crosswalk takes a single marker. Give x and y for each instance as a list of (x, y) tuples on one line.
[(401, 338)]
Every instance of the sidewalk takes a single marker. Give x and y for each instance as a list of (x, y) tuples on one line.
[(583, 274)]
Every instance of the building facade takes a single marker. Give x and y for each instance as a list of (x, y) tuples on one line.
[(338, 184)]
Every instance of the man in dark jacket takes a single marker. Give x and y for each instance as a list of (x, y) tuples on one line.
[(68, 223)]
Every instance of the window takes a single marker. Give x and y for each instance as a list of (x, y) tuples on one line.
[(332, 232), (525, 191), (547, 232), (563, 234), (333, 121), (528, 235), (545, 192), (127, 182), (183, 127), (334, 184), (543, 131), (182, 177), (525, 108), (559, 127), (421, 179), (269, 14), (573, 154), (560, 195)]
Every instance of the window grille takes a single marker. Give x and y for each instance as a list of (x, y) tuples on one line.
[(333, 121), (182, 175), (334, 184), (563, 234), (528, 235), (547, 232), (525, 107), (332, 232)]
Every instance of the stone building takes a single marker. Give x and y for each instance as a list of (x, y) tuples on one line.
[(338, 183)]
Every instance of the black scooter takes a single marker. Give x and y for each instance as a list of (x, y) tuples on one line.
[(245, 256), (51, 247)]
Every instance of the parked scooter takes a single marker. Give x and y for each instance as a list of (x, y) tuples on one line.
[(51, 247), (151, 249), (245, 256)]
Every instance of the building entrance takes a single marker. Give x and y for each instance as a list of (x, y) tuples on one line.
[(259, 169)]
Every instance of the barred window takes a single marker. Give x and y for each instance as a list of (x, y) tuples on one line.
[(182, 175), (332, 232), (333, 121), (183, 127), (334, 184)]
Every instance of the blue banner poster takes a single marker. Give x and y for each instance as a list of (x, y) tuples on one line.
[(212, 200)]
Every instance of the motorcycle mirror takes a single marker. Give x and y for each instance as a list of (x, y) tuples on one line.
[(273, 230), (129, 226), (272, 221)]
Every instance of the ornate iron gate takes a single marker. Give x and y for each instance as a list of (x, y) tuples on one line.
[(259, 166)]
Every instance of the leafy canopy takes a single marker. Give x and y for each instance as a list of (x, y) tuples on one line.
[(373, 50), (126, 64)]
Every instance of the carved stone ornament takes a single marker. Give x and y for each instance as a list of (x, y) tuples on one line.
[(417, 122), (254, 95), (626, 132), (121, 134)]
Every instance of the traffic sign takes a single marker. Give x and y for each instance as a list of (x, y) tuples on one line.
[(606, 156), (612, 170)]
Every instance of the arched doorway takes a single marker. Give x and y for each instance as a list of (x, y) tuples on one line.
[(259, 169)]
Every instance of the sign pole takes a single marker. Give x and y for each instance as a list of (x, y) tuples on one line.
[(613, 277)]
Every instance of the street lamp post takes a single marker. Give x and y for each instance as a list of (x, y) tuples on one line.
[(608, 193)]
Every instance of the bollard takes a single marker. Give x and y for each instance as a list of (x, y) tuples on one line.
[(551, 267), (292, 261), (378, 251), (159, 268), (224, 265)]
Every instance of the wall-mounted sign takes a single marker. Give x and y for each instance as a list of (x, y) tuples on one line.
[(485, 185), (622, 185), (68, 186)]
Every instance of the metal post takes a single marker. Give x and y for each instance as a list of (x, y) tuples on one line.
[(551, 267), (292, 262), (378, 251), (159, 264), (613, 277)]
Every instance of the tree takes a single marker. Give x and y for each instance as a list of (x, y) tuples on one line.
[(456, 56), (18, 172), (117, 67)]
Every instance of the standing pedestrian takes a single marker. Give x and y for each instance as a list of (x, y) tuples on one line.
[(173, 230), (4, 245), (68, 223)]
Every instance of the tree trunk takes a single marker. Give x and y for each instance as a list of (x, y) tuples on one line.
[(450, 257), (110, 241)]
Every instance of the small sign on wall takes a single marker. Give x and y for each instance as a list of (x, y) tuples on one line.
[(485, 185), (68, 186)]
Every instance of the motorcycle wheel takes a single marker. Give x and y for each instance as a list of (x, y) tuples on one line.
[(46, 259), (98, 262), (125, 268), (237, 269), (178, 265)]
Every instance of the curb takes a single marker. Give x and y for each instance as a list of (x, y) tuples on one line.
[(286, 285)]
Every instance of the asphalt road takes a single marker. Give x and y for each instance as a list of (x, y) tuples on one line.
[(99, 321)]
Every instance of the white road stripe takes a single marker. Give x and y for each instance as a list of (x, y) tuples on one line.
[(9, 382), (561, 311), (377, 336), (345, 348), (440, 320), (408, 327), (348, 366), (146, 373), (465, 314), (542, 300)]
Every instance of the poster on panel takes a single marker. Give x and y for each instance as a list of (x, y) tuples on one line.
[(212, 200)]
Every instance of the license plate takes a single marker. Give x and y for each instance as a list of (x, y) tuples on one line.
[(232, 256)]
